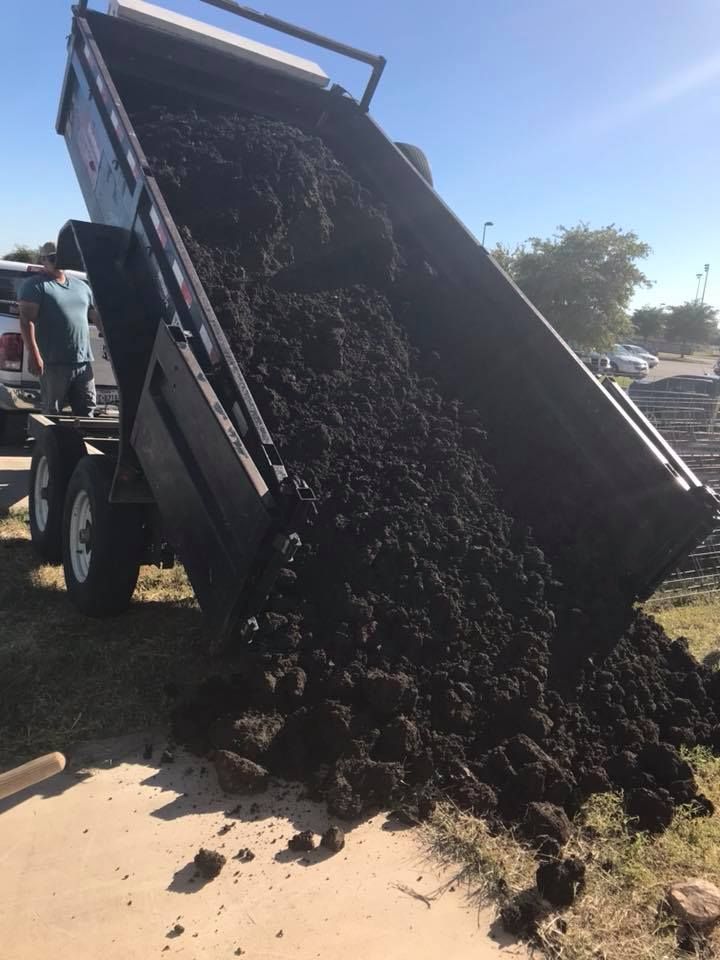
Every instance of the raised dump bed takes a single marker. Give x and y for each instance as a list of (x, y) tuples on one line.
[(575, 460)]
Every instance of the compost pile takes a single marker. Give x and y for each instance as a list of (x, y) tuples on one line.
[(407, 653)]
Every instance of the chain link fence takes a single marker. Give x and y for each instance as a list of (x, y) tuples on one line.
[(690, 422)]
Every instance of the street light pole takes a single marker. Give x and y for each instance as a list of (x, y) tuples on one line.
[(488, 223), (697, 292), (707, 271)]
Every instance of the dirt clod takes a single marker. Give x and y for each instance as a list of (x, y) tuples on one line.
[(560, 881), (651, 809), (520, 916), (245, 855), (302, 841), (547, 826), (209, 862), (238, 774), (333, 839)]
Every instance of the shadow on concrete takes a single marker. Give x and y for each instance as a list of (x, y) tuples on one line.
[(188, 880)]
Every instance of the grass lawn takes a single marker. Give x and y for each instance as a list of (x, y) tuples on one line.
[(64, 677), (699, 621)]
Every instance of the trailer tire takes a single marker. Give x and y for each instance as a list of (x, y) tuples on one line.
[(418, 159), (55, 454), (102, 541)]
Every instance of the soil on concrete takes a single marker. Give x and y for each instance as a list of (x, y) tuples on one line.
[(237, 774), (302, 841), (333, 839), (209, 863), (407, 653)]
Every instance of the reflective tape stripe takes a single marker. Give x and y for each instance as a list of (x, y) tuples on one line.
[(207, 342), (159, 228), (182, 283)]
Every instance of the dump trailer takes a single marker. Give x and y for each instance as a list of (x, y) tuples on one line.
[(189, 467)]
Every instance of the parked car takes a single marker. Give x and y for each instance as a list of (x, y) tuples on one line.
[(19, 389), (598, 362), (627, 363), (650, 358)]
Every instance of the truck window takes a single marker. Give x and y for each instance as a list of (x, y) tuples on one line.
[(10, 283)]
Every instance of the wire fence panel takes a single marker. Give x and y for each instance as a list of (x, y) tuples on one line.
[(690, 422)]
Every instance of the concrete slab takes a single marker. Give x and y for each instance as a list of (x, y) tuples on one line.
[(103, 867)]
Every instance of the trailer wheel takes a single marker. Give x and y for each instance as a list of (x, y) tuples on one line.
[(102, 541), (418, 159), (55, 453)]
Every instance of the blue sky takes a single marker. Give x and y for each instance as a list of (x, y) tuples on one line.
[(533, 113)]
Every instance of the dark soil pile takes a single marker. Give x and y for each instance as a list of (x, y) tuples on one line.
[(406, 654)]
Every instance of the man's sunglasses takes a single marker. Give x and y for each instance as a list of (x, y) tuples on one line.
[(50, 257)]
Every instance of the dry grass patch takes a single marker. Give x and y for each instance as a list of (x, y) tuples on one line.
[(617, 916), (699, 621), (64, 677)]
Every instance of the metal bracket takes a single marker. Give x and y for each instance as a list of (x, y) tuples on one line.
[(309, 36)]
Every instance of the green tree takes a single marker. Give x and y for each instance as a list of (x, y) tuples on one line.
[(581, 280), (22, 253), (505, 256), (649, 321), (691, 323)]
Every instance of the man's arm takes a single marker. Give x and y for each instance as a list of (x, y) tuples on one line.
[(28, 318)]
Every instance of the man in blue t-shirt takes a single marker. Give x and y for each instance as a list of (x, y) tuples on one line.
[(54, 314)]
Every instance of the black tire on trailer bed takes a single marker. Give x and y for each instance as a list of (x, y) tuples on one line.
[(102, 541), (418, 159), (55, 454)]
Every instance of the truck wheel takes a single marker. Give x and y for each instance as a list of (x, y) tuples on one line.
[(13, 429), (418, 159), (102, 541), (55, 453)]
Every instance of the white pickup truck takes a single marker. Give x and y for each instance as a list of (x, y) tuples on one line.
[(19, 389)]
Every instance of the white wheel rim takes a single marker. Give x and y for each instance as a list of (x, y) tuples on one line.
[(40, 499), (81, 536)]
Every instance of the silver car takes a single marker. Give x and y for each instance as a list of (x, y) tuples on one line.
[(649, 358), (628, 364)]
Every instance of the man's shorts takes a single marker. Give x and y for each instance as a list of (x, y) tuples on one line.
[(61, 384)]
